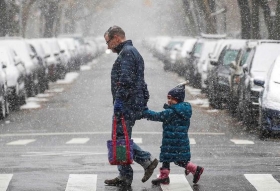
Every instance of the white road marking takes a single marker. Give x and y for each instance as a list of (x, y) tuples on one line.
[(192, 141), (5, 181), (81, 182), (242, 142), (263, 182), (21, 142), (78, 141), (96, 133), (137, 140), (178, 182)]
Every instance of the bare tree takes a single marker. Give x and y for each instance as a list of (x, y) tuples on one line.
[(255, 20), (3, 18), (49, 11), (245, 19), (25, 13), (276, 29)]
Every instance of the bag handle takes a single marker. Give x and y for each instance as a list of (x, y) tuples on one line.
[(127, 143)]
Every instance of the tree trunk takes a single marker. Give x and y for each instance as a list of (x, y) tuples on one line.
[(50, 17), (3, 18), (267, 16), (255, 20), (209, 20), (25, 14), (276, 29), (245, 19), (191, 24)]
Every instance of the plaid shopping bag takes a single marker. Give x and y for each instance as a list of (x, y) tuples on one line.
[(120, 151)]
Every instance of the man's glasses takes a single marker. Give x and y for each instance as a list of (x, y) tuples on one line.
[(107, 42)]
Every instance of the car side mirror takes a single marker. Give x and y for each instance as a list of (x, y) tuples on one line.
[(233, 65), (214, 63), (259, 82), (245, 68)]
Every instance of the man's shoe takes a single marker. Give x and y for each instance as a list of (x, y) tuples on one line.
[(198, 172), (116, 182), (150, 170)]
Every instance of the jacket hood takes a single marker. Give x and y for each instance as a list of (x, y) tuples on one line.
[(121, 45), (183, 109)]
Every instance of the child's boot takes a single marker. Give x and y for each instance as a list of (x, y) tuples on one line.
[(195, 170), (163, 177)]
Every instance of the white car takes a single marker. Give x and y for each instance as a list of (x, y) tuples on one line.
[(15, 74)]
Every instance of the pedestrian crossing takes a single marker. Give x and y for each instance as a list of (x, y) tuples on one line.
[(178, 182), (85, 140), (81, 182)]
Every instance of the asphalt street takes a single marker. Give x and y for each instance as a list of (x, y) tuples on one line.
[(62, 144)]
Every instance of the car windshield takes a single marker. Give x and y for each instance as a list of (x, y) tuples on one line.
[(173, 43), (244, 57), (230, 56), (198, 48), (265, 56)]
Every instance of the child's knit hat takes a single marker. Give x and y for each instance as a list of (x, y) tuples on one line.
[(178, 92)]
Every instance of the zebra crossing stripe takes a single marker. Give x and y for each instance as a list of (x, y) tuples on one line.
[(242, 142), (263, 182), (137, 140), (178, 182), (78, 141), (81, 182), (5, 181), (192, 141), (21, 142)]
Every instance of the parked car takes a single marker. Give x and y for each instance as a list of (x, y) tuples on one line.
[(30, 61), (269, 109), (261, 56), (182, 56), (200, 64), (170, 52), (15, 74), (220, 82), (38, 49), (4, 105)]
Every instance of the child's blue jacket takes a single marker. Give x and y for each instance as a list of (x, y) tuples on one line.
[(175, 140)]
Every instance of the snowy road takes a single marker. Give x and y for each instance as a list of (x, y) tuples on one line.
[(61, 145)]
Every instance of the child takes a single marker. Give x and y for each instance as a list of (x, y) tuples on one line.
[(175, 141)]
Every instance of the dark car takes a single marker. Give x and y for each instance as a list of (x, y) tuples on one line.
[(220, 83), (269, 118), (261, 56)]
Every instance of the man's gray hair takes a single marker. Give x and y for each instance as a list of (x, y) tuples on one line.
[(115, 30)]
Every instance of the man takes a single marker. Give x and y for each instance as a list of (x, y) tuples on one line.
[(130, 96)]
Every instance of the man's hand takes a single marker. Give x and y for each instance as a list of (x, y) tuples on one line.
[(118, 105)]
